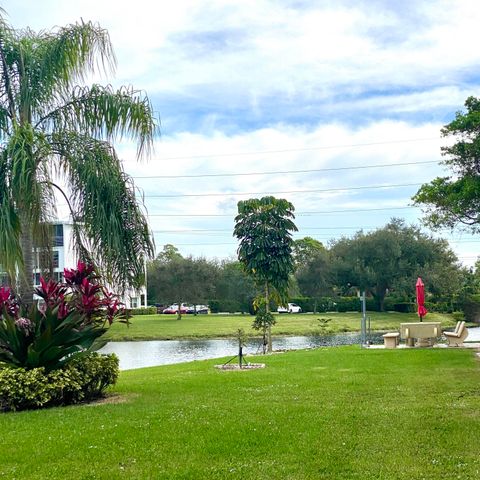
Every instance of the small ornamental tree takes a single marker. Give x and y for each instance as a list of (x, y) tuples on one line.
[(68, 321), (264, 228), (455, 201)]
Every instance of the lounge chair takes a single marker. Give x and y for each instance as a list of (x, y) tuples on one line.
[(456, 338)]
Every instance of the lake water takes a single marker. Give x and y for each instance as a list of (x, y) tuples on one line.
[(164, 352)]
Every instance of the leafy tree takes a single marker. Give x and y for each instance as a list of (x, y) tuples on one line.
[(181, 279), (54, 127), (314, 275), (169, 252), (304, 249), (455, 200), (234, 287), (476, 273), (264, 228), (392, 258)]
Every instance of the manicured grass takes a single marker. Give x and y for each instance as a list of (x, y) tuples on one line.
[(332, 413), (164, 327)]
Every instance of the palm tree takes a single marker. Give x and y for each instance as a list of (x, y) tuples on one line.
[(56, 135)]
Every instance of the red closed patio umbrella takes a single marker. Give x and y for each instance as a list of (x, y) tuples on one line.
[(422, 311)]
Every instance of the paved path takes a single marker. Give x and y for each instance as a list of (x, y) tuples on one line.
[(473, 335)]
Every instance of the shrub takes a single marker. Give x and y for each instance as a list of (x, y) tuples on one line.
[(372, 305), (440, 307), (348, 304), (214, 306), (230, 306), (69, 321), (388, 303), (405, 307), (82, 379), (470, 305), (141, 311), (305, 303)]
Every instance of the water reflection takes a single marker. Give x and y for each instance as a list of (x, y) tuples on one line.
[(164, 352)]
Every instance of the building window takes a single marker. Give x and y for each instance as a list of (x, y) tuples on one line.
[(142, 300), (134, 302), (36, 278), (58, 235), (56, 258), (58, 276)]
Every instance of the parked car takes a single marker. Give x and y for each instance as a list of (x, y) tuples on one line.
[(160, 307), (290, 308), (198, 308), (174, 309)]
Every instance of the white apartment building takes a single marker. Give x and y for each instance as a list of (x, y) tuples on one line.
[(64, 256)]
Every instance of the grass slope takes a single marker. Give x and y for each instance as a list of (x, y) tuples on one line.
[(336, 413), (166, 327)]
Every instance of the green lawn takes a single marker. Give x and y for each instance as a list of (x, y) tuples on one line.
[(332, 413), (164, 327)]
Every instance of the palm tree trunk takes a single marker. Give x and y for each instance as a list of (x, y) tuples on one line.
[(25, 279)]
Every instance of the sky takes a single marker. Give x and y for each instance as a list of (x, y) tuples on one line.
[(336, 106)]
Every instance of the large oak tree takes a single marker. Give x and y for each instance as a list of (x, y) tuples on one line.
[(393, 257), (455, 200)]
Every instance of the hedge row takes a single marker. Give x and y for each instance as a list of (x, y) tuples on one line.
[(470, 305), (142, 311), (83, 379), (350, 304), (231, 306)]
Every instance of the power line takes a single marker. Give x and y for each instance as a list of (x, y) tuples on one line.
[(300, 233), (303, 149), (297, 214), (235, 244), (326, 190), (229, 230), (283, 172)]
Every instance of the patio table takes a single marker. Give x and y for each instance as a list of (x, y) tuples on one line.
[(424, 332)]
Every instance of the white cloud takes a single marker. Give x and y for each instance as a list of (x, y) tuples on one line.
[(287, 149), (264, 75)]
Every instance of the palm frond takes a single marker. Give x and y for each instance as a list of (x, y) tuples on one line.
[(58, 60), (9, 77), (26, 151), (104, 113), (10, 229), (109, 220), (4, 123)]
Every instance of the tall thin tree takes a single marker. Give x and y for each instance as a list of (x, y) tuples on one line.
[(264, 228)]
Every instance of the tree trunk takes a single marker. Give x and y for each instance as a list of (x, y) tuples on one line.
[(379, 295), (25, 277), (179, 311), (267, 310)]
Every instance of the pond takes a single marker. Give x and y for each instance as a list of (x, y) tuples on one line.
[(164, 352)]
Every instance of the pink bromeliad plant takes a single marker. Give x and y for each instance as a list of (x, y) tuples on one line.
[(68, 321)]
